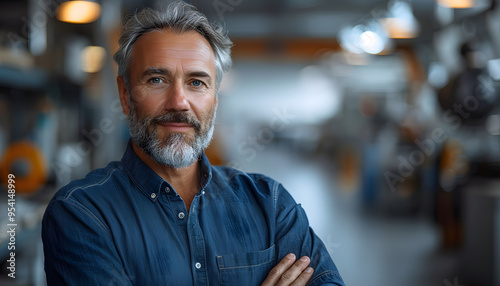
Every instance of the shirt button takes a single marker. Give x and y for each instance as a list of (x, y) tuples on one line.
[(181, 215), (197, 265), (153, 195), (167, 189), (202, 192)]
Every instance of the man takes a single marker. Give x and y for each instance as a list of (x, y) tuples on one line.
[(164, 215)]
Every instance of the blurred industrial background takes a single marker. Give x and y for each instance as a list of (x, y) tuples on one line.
[(382, 118)]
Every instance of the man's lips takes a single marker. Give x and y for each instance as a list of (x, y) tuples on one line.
[(176, 126)]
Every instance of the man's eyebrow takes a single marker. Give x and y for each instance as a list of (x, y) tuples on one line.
[(199, 74), (153, 70)]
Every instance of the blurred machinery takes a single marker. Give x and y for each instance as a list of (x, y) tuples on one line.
[(401, 96)]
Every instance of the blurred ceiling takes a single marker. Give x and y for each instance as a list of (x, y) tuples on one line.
[(267, 20), (12, 14), (300, 18)]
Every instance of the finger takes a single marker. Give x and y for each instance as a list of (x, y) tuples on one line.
[(304, 277), (275, 274), (294, 271)]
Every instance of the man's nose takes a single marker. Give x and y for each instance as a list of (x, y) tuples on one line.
[(177, 98)]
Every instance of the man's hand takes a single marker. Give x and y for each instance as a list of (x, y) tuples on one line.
[(286, 272)]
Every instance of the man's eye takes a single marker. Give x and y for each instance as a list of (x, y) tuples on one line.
[(155, 80), (196, 83)]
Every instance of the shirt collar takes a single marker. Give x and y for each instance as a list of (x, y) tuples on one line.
[(205, 171), (150, 183)]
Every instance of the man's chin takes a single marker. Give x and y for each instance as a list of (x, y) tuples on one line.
[(177, 159)]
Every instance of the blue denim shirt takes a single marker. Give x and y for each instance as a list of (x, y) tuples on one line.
[(125, 225)]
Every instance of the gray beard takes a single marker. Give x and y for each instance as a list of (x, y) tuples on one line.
[(173, 151)]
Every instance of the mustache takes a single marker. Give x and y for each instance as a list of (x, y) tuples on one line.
[(178, 117)]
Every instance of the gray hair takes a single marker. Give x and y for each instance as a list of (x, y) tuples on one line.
[(179, 17)]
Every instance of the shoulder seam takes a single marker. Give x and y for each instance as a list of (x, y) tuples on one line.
[(89, 213), (108, 175), (68, 198)]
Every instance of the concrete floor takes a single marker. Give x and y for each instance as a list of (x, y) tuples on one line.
[(368, 248)]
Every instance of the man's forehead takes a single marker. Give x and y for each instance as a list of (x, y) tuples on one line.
[(183, 44)]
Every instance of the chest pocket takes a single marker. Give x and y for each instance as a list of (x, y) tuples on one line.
[(249, 268)]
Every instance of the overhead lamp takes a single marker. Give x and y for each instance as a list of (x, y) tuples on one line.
[(371, 42), (92, 59), (457, 4), (398, 28), (400, 23), (368, 37), (78, 12)]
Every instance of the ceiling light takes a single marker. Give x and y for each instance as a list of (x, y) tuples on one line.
[(92, 58), (400, 23), (368, 37), (398, 28), (78, 12), (371, 42), (456, 4)]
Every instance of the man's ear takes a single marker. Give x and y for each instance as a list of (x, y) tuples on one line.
[(124, 96)]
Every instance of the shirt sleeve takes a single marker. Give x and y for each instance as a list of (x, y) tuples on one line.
[(294, 235), (78, 247)]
